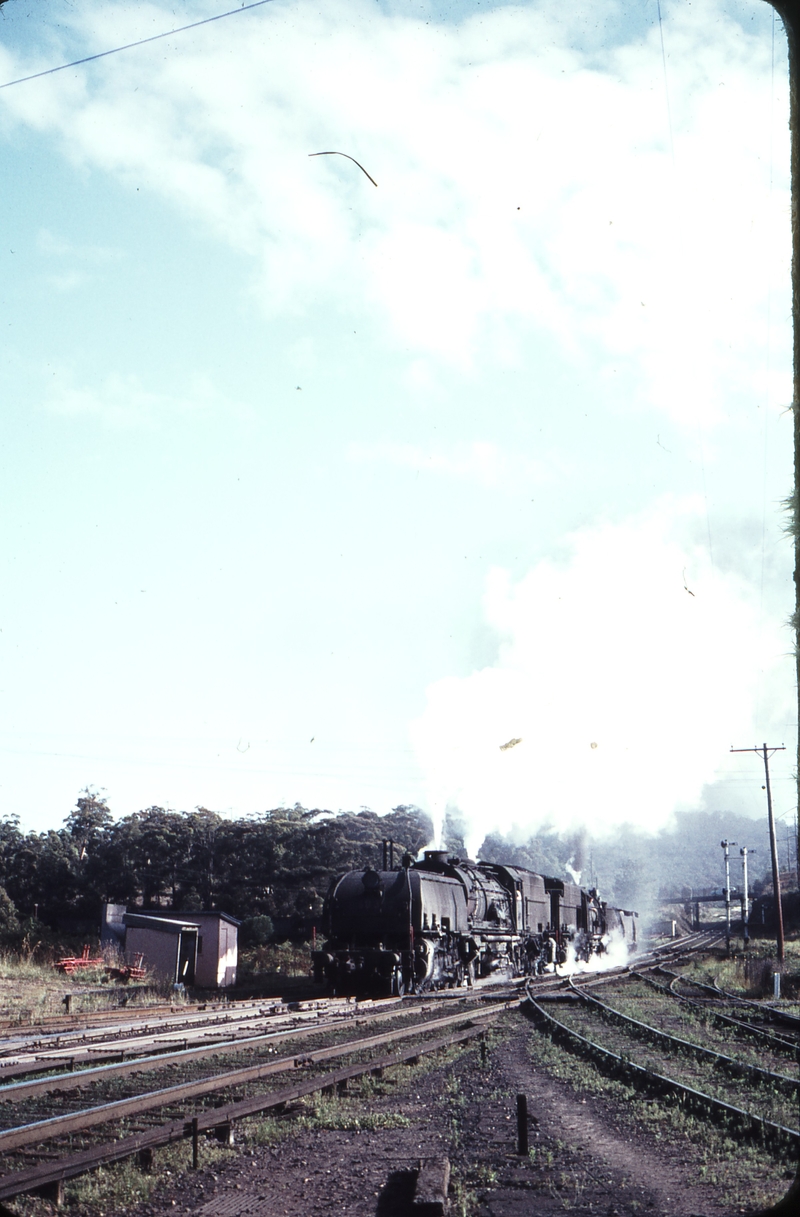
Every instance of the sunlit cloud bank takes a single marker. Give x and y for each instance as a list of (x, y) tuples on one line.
[(524, 184), (627, 668)]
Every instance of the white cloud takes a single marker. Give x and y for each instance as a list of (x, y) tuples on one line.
[(621, 673), (524, 186)]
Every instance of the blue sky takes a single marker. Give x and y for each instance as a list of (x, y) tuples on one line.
[(319, 492)]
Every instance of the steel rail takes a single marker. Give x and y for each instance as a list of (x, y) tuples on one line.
[(603, 976), (19, 1182), (141, 1050), (775, 1041), (147, 1046), (62, 1047), (772, 1131), (699, 940), (16, 1091), (53, 1057), (54, 1126), (51, 1021), (141, 1028), (652, 958), (764, 1077), (780, 1016)]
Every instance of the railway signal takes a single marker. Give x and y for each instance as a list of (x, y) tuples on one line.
[(744, 851), (725, 844)]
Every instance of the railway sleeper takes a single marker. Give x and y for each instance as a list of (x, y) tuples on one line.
[(53, 1174), (749, 1125), (787, 1085), (750, 1029)]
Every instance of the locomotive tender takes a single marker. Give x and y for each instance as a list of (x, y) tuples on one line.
[(443, 922)]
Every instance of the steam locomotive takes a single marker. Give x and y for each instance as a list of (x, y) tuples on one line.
[(444, 922)]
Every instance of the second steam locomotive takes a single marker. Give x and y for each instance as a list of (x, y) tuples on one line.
[(443, 922)]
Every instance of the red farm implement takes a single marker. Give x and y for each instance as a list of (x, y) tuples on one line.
[(76, 963)]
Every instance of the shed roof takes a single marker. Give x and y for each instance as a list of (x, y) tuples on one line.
[(172, 914), (161, 925)]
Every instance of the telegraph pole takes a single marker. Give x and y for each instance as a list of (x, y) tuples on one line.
[(773, 841), (725, 844)]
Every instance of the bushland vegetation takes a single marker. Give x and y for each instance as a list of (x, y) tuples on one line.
[(272, 870)]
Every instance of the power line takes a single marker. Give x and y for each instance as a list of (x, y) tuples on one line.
[(129, 45), (666, 87)]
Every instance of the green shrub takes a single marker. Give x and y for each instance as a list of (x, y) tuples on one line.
[(256, 931)]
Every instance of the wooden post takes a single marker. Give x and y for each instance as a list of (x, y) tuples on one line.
[(54, 1192), (522, 1125), (195, 1146), (224, 1134)]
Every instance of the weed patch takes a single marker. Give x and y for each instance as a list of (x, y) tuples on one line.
[(747, 1173)]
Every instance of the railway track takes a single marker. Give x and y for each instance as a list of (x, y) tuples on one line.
[(669, 1044), (714, 1010), (55, 1127), (757, 1012), (76, 1097), (165, 1061), (144, 1028)]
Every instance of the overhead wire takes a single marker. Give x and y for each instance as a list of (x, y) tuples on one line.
[(130, 45), (666, 87)]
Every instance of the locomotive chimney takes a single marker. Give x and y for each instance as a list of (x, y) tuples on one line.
[(436, 857)]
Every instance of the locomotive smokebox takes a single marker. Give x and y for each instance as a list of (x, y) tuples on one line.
[(372, 881), (436, 857)]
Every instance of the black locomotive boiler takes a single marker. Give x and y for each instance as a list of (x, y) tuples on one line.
[(444, 922)]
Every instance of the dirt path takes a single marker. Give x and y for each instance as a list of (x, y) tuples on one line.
[(583, 1158)]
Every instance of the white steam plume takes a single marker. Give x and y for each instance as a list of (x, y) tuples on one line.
[(625, 672)]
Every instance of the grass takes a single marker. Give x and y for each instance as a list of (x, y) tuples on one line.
[(32, 989), (121, 1186), (113, 1189), (747, 973), (464, 1200), (747, 1174), (346, 1115)]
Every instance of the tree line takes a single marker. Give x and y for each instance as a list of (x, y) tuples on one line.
[(276, 867)]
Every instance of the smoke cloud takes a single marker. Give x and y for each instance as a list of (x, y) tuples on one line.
[(628, 666)]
